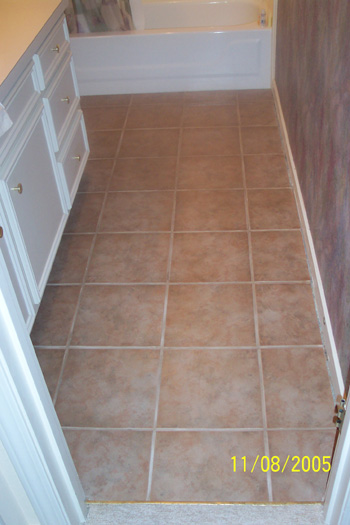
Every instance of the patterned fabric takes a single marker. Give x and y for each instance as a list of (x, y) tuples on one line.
[(87, 16), (313, 79)]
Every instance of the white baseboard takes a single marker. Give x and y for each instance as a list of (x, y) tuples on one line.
[(320, 299)]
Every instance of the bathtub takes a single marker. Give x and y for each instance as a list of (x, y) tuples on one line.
[(179, 45)]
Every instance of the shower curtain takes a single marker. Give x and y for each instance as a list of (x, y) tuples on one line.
[(87, 16)]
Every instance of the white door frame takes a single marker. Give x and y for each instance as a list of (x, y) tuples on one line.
[(29, 428)]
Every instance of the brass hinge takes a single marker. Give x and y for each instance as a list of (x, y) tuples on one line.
[(340, 415)]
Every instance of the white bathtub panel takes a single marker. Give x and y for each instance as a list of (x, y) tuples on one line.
[(151, 61)]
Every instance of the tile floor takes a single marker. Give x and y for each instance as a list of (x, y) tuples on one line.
[(178, 327)]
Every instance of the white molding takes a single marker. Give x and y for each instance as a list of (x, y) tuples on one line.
[(320, 299)]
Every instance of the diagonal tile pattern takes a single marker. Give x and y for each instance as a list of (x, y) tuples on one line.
[(178, 329)]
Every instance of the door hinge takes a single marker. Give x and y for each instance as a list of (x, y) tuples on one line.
[(340, 414)]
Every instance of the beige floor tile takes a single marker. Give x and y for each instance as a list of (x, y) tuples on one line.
[(266, 171), (279, 256), (292, 377), (257, 112), (151, 116), (211, 97), (150, 143), (157, 98), (210, 315), (300, 486), (120, 316), (104, 100), (210, 210), (197, 466), (129, 258), (261, 139), (96, 175), (210, 115), (104, 118), (287, 315), (272, 209), (144, 174), (138, 211), (108, 388), (209, 389), (210, 257), (50, 361), (71, 259), (85, 213), (103, 144), (210, 141), (55, 315), (210, 173), (112, 464)]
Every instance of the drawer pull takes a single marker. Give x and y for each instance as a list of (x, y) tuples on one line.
[(18, 188), (1, 232), (77, 157), (66, 99), (56, 49)]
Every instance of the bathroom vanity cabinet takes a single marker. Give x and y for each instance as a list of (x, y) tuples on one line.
[(42, 158)]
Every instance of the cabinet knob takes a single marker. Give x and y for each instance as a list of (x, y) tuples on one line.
[(77, 157), (66, 99), (1, 232), (18, 188), (56, 49)]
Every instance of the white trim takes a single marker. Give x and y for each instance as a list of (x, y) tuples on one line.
[(274, 41), (320, 299)]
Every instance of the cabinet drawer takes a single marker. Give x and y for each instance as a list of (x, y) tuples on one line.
[(49, 55), (73, 157), (61, 102), (18, 104), (33, 203)]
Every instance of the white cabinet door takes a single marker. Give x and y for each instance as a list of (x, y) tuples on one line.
[(34, 202)]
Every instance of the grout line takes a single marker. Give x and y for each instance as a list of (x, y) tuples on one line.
[(202, 429), (167, 348), (126, 232), (170, 283)]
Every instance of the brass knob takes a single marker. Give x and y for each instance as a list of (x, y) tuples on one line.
[(77, 157), (18, 188), (66, 99), (1, 232), (56, 49)]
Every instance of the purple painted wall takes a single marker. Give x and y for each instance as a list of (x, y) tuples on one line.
[(313, 80)]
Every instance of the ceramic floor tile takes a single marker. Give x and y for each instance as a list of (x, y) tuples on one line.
[(157, 98), (291, 382), (210, 315), (210, 173), (103, 118), (211, 97), (50, 361), (287, 315), (85, 213), (150, 116), (138, 211), (261, 139), (266, 171), (71, 259), (112, 464), (144, 174), (279, 256), (254, 95), (54, 318), (210, 210), (257, 113), (103, 144), (197, 466), (150, 143), (104, 100), (96, 175), (108, 388), (120, 316), (210, 115), (210, 141), (300, 486), (210, 257), (209, 389), (129, 258), (272, 209)]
